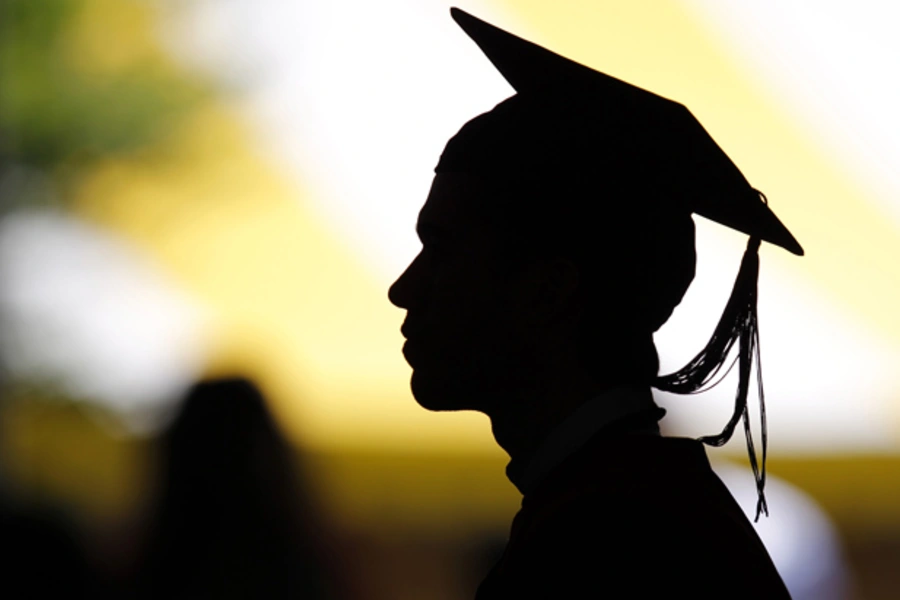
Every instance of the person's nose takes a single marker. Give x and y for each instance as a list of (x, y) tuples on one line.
[(403, 292)]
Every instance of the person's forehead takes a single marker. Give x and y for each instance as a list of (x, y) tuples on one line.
[(452, 202)]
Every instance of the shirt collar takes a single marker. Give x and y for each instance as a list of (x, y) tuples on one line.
[(577, 429)]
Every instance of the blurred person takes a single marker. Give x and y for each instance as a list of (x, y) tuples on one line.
[(233, 520), (557, 238), (42, 555)]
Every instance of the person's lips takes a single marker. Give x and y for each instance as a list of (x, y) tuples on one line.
[(407, 352)]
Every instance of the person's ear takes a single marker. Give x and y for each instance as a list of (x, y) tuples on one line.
[(550, 291)]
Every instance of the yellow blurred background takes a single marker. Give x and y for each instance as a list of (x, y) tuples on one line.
[(195, 189)]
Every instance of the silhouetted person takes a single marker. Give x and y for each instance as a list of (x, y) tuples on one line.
[(41, 555), (232, 520), (557, 238)]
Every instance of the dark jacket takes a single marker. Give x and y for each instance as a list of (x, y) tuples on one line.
[(633, 516)]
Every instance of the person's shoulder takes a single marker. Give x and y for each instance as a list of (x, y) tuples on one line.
[(631, 465), (645, 503), (645, 481)]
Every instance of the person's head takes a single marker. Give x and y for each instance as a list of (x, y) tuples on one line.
[(519, 280), (568, 237)]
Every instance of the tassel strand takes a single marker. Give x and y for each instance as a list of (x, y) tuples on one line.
[(738, 325)]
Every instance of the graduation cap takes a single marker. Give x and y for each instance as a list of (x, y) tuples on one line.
[(615, 154)]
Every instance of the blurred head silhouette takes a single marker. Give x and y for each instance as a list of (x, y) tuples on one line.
[(233, 521)]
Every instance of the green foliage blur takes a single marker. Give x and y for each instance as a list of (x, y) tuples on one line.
[(58, 116)]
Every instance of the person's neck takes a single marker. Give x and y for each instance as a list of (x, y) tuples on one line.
[(523, 420)]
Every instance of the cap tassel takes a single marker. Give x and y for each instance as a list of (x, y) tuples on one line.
[(739, 324)]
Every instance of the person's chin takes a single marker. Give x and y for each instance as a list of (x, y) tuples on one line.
[(436, 395)]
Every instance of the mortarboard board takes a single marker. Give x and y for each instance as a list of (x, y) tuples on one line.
[(573, 128), (661, 133)]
